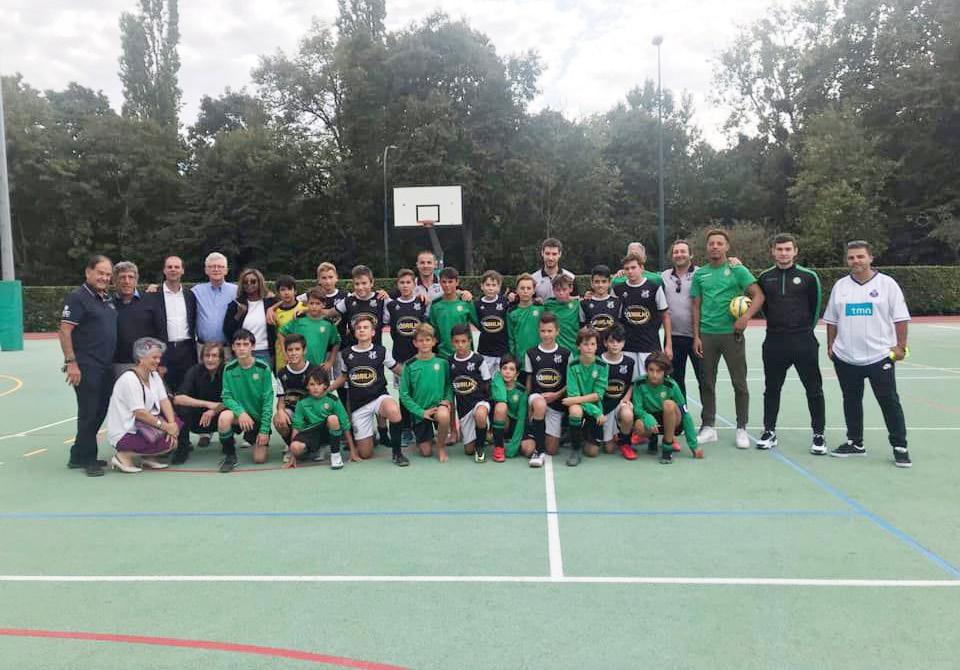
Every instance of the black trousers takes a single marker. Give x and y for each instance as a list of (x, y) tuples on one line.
[(883, 381), (191, 424), (802, 352), (178, 358), (93, 398), (683, 350)]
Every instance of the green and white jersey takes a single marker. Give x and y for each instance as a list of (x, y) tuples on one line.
[(568, 318), (251, 390), (424, 383)]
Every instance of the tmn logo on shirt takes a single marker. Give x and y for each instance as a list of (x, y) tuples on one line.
[(859, 309)]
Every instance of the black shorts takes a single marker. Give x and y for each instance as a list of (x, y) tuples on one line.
[(314, 437), (423, 431), (249, 436)]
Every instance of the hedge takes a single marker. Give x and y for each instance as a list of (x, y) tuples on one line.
[(932, 290)]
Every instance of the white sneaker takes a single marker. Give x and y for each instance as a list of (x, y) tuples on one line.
[(536, 461), (818, 447), (336, 461), (768, 440), (742, 440), (707, 434)]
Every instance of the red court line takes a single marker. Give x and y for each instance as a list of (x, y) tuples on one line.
[(273, 652)]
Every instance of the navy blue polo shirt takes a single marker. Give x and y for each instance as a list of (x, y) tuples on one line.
[(135, 319), (95, 326)]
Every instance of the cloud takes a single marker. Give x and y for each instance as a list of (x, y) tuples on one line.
[(594, 50)]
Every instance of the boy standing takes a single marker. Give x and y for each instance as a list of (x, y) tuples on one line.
[(471, 389), (425, 391), (248, 396), (644, 309), (363, 302), (546, 368), (322, 341), (567, 310), (492, 308), (523, 321), (602, 310), (284, 312), (449, 311)]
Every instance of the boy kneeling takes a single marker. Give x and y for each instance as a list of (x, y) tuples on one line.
[(319, 417), (248, 396), (660, 408)]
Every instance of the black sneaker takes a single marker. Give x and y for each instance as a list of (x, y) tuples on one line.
[(573, 459), (819, 445), (180, 457), (666, 458), (901, 457), (848, 448), (228, 463), (400, 460), (93, 469), (80, 466), (768, 440)]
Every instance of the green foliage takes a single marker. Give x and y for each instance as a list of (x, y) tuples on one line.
[(149, 62)]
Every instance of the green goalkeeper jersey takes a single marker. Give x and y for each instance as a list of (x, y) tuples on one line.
[(313, 412), (586, 379), (523, 329), (250, 390), (516, 401), (648, 405), (444, 315), (424, 383), (568, 318)]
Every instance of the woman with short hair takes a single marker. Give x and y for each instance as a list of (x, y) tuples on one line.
[(140, 419), (249, 311)]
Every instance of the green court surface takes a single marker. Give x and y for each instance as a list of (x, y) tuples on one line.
[(745, 559)]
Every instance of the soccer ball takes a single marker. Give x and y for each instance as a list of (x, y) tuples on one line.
[(739, 306)]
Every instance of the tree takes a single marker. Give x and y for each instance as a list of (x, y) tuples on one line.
[(149, 62)]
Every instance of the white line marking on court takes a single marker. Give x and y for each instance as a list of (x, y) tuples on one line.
[(34, 430), (34, 452), (934, 325), (553, 522), (488, 579), (928, 367), (843, 428)]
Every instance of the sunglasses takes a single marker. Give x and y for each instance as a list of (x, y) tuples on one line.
[(250, 280)]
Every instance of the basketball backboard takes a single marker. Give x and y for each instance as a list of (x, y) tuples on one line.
[(441, 205)]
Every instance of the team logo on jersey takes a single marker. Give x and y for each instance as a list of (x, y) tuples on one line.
[(363, 376), (471, 367), (326, 405), (535, 312), (465, 385), (610, 304), (874, 293), (492, 324), (557, 358), (637, 315), (256, 376), (66, 312), (616, 388), (548, 378), (663, 394), (323, 329), (407, 325), (516, 397), (796, 280), (594, 374), (644, 294), (623, 369), (373, 355), (436, 367), (602, 322), (726, 273), (499, 307)]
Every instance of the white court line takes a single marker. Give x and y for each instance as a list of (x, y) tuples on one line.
[(34, 452), (935, 325), (486, 579), (34, 430), (553, 522), (900, 377), (843, 428), (928, 367)]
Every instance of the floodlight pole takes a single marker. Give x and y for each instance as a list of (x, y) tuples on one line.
[(6, 228), (386, 214), (661, 226)]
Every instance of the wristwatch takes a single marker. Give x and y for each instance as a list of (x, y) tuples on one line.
[(159, 423)]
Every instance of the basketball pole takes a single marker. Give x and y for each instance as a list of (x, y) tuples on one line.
[(6, 227), (661, 226), (386, 215)]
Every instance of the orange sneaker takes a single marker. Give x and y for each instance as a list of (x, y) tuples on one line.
[(499, 454), (628, 452)]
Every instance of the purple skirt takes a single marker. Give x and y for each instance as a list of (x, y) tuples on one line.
[(147, 441)]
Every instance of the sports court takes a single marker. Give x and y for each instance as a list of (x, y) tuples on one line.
[(746, 559)]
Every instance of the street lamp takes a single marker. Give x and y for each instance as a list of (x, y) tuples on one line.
[(386, 238), (661, 228)]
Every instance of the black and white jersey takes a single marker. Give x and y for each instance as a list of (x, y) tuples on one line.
[(404, 316), (352, 307), (642, 314), (601, 314), (471, 380), (364, 368), (620, 376), (492, 315), (293, 384), (547, 371), (330, 302)]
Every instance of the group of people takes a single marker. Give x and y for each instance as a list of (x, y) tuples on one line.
[(523, 366)]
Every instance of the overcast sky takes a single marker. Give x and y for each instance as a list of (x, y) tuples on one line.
[(594, 50)]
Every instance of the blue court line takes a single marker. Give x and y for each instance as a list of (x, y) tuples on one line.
[(857, 507), (423, 513)]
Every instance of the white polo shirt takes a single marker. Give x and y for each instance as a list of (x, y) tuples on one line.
[(864, 315)]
